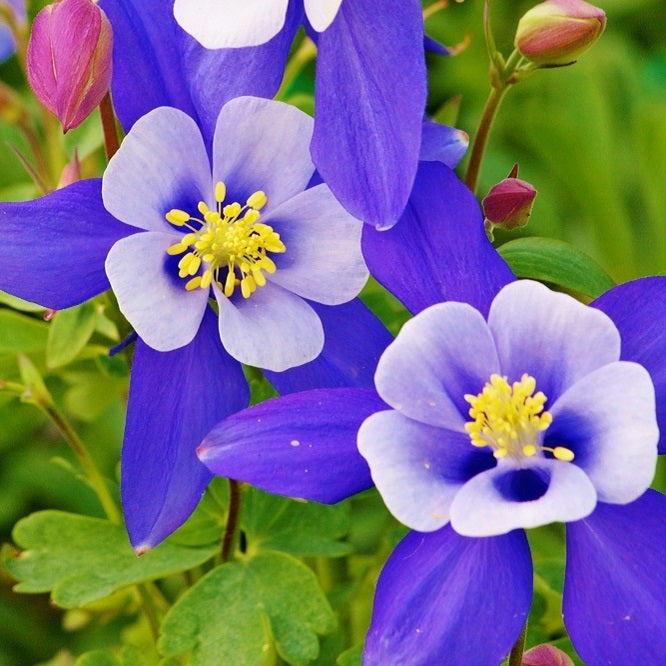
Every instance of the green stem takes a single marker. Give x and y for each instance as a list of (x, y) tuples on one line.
[(95, 479), (232, 520), (111, 142), (516, 655), (305, 52)]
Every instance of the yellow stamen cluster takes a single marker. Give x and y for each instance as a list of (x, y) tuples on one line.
[(508, 418), (230, 237)]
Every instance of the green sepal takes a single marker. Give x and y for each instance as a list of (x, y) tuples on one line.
[(243, 612), (69, 331), (557, 262), (79, 559)]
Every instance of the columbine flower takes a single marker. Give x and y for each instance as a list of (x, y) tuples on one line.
[(511, 407), (370, 91), (174, 231), (250, 235)]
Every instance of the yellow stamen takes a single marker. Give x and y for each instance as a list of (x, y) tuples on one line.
[(230, 239)]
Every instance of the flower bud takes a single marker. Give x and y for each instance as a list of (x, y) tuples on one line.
[(509, 203), (546, 655), (69, 59), (556, 32)]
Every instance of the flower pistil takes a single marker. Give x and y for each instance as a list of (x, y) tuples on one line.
[(509, 418), (230, 237)]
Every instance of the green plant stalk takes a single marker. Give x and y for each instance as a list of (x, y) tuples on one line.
[(231, 529), (109, 128), (305, 52), (516, 655)]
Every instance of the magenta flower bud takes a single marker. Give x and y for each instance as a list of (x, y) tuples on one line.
[(69, 59), (546, 655), (556, 32), (509, 203)]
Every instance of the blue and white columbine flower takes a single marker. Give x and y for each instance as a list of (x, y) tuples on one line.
[(370, 89), (245, 231), (175, 230), (506, 407)]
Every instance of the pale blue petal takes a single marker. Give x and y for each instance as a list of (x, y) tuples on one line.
[(418, 468), (263, 145), (608, 419), (161, 164), (323, 261), (550, 336), (508, 497), (440, 355), (273, 329), (164, 314)]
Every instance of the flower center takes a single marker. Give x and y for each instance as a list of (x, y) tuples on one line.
[(229, 239), (508, 418)]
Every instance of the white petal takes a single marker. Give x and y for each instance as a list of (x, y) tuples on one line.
[(218, 24), (481, 509), (321, 13), (164, 314), (273, 329)]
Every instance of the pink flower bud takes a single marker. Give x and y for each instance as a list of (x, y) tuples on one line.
[(509, 203), (546, 655), (69, 59), (556, 32)]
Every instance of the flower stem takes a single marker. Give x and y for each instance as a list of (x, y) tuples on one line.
[(232, 520), (516, 655), (92, 473), (304, 54), (111, 143)]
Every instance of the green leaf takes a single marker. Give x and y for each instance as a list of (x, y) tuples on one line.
[(294, 526), (351, 657), (242, 611), (126, 656), (555, 261), (81, 559), (69, 331), (19, 333), (19, 303)]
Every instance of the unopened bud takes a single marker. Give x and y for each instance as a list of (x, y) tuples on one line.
[(69, 59), (556, 32), (508, 204), (546, 655)]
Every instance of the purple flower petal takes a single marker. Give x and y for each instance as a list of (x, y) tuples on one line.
[(161, 164), (608, 420), (444, 597), (54, 248), (439, 250), (615, 583), (354, 339), (218, 24), (301, 445), (507, 497), (638, 310), (439, 356), (418, 468), (550, 336), (263, 145), (157, 64), (371, 60), (323, 261), (441, 143), (175, 399), (272, 329), (164, 314)]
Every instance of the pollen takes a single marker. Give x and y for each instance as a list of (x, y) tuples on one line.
[(509, 418), (227, 246)]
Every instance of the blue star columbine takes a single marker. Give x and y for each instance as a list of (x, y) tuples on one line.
[(370, 89), (173, 229), (506, 407)]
